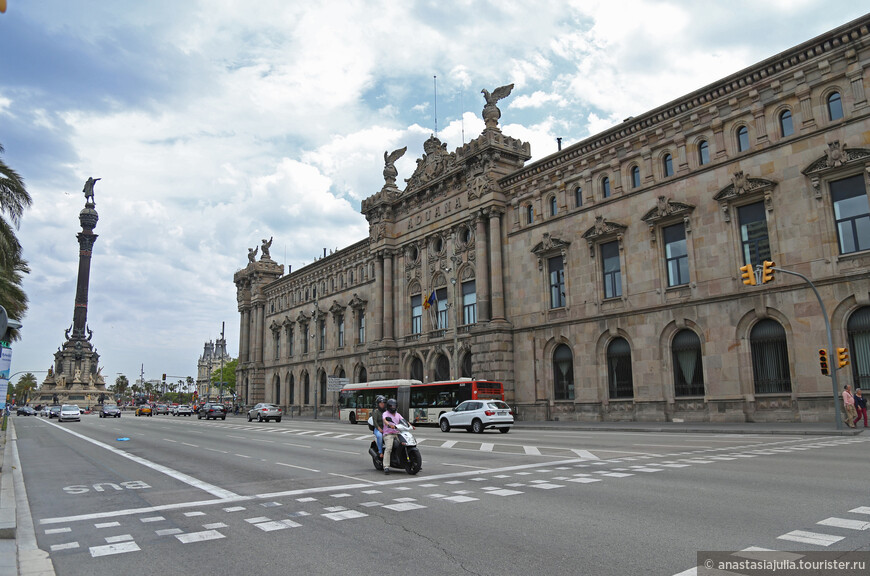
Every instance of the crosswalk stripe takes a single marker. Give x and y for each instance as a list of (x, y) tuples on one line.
[(861, 510), (449, 444), (584, 454), (486, 447), (845, 523), (531, 451), (810, 538)]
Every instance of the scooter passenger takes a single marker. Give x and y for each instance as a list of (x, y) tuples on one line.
[(390, 431), (378, 421)]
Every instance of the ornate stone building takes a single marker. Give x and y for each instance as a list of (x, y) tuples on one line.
[(602, 282), (213, 353)]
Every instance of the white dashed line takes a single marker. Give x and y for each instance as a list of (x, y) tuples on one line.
[(199, 536), (811, 538), (109, 549)]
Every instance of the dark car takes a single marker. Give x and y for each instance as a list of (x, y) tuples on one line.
[(25, 411), (54, 412), (110, 410), (212, 410)]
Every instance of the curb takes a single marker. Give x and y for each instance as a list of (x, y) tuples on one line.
[(8, 522), (681, 430)]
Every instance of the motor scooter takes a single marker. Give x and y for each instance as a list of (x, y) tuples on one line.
[(405, 453)]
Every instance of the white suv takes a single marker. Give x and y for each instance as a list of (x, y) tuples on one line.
[(478, 415)]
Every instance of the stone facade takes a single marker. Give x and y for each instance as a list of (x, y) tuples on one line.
[(213, 355), (605, 277)]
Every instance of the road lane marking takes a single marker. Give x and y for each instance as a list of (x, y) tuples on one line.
[(58, 530), (340, 451), (531, 451), (845, 523), (67, 546), (199, 536), (168, 532), (109, 549), (191, 445), (449, 444), (297, 445), (116, 539), (861, 510), (584, 454), (352, 477), (242, 455), (811, 538), (107, 524), (300, 467), (180, 476), (486, 446), (170, 440)]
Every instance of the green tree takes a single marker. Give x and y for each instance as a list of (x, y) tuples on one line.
[(121, 386), (227, 376), (25, 387), (14, 199)]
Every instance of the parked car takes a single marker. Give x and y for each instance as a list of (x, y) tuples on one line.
[(478, 415), (144, 410), (110, 410), (69, 412), (25, 411), (183, 410), (53, 411), (161, 409), (45, 411), (212, 410), (265, 412)]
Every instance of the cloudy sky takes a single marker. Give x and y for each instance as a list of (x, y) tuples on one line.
[(216, 124)]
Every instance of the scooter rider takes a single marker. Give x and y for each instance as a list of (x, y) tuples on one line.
[(378, 421), (390, 431)]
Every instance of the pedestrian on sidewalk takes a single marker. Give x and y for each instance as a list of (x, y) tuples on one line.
[(849, 406), (860, 406)]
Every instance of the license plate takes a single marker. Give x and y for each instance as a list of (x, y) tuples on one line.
[(502, 412)]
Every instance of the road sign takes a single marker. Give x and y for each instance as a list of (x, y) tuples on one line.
[(335, 384)]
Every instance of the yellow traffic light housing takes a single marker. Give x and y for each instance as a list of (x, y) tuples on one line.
[(823, 361), (748, 275), (767, 271), (842, 357)]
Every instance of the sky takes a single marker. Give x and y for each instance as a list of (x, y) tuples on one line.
[(214, 125)]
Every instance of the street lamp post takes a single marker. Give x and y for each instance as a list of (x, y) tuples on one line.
[(314, 335)]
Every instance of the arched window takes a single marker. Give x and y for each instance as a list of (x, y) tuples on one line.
[(635, 177), (442, 368), (306, 387), (465, 366), (835, 106), (578, 196), (769, 358), (363, 375), (563, 373), (322, 398), (703, 153), (417, 369), (291, 390), (554, 208), (605, 187), (619, 369), (277, 382), (530, 214), (742, 139), (668, 165), (786, 124), (858, 328), (688, 372)]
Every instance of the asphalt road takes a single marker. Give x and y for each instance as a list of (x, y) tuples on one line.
[(196, 497)]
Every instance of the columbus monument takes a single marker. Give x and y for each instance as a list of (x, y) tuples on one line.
[(75, 376)]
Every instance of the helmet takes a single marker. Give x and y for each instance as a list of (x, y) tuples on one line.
[(391, 405), (380, 399)]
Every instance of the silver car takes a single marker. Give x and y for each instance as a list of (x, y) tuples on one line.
[(69, 412), (266, 412)]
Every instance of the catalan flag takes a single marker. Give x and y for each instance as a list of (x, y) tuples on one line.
[(432, 299)]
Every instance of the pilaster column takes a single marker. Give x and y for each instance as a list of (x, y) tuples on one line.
[(258, 332), (379, 298), (388, 295), (244, 335), (496, 260), (482, 272)]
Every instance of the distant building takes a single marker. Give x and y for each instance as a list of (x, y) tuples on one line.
[(602, 282), (210, 363)]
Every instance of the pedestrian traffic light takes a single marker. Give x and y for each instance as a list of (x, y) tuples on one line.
[(823, 361), (767, 271), (842, 357), (748, 275)]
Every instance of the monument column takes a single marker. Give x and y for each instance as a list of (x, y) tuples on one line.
[(482, 276), (497, 274), (88, 218), (388, 295)]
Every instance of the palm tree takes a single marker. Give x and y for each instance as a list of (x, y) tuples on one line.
[(26, 385), (121, 385), (14, 199)]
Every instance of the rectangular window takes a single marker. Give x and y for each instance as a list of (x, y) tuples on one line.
[(341, 331), (290, 342), (753, 233), (851, 214), (305, 338), (416, 314), (441, 319), (612, 273), (323, 335), (557, 282), (362, 326), (469, 302), (676, 254), (277, 345)]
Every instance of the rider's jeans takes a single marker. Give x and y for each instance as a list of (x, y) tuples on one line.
[(379, 440)]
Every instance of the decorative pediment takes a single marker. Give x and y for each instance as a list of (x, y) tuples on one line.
[(836, 156), (666, 209), (603, 229), (287, 322), (357, 303), (303, 318), (274, 327), (741, 187), (336, 309), (548, 247), (435, 162)]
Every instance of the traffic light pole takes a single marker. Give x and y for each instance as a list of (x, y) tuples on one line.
[(837, 416)]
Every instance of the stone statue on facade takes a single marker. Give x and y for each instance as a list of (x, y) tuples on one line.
[(252, 254), (390, 171), (264, 249), (78, 375), (491, 113), (89, 190)]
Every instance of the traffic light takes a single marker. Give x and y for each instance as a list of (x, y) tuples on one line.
[(842, 357), (748, 275), (767, 271), (823, 361), (164, 378)]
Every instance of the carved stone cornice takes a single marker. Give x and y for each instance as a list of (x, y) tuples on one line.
[(666, 209), (336, 309), (743, 186), (836, 157), (274, 327), (357, 303), (603, 229), (550, 246)]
